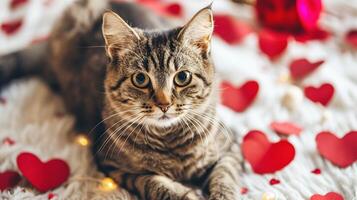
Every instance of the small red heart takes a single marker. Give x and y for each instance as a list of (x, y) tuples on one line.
[(17, 3), (328, 196), (351, 38), (239, 99), (174, 9), (11, 27), (322, 94), (9, 179), (51, 196), (43, 176), (264, 156), (230, 29), (243, 190), (8, 141), (271, 43), (316, 171), (300, 68), (274, 181), (340, 151), (286, 128)]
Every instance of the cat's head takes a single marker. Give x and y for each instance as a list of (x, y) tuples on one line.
[(159, 77)]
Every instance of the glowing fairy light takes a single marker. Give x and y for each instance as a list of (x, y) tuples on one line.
[(82, 140), (268, 196), (107, 184)]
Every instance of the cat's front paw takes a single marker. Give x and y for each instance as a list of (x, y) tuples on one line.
[(193, 195)]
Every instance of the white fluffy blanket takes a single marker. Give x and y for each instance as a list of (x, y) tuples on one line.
[(34, 117)]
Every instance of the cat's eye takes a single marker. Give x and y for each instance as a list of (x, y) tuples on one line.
[(183, 78), (140, 80)]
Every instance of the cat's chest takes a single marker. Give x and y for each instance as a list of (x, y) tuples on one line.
[(177, 166)]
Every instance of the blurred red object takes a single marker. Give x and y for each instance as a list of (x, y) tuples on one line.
[(172, 9), (230, 29), (272, 43), (293, 16)]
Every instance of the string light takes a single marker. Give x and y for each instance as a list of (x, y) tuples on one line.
[(107, 184), (82, 140), (268, 196), (284, 78)]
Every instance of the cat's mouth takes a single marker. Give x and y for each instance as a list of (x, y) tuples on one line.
[(164, 117)]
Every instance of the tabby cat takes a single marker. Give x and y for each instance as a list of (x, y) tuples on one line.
[(155, 90)]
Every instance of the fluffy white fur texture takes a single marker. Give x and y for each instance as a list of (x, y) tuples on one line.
[(29, 116)]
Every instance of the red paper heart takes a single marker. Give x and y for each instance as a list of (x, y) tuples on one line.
[(164, 9), (264, 156), (316, 171), (8, 141), (286, 128), (328, 196), (9, 179), (17, 3), (43, 176), (322, 94), (300, 68), (11, 27), (243, 190), (51, 196), (271, 43), (238, 99), (340, 151), (230, 29), (351, 38), (274, 181)]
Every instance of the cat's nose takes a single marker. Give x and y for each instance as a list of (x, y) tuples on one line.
[(164, 107)]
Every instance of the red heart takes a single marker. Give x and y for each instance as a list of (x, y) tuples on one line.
[(244, 190), (17, 3), (43, 176), (272, 43), (9, 179), (164, 9), (328, 196), (341, 152), (286, 128), (322, 94), (351, 38), (174, 9), (264, 156), (238, 99), (274, 181), (11, 27), (300, 68), (8, 141), (316, 171), (230, 29)]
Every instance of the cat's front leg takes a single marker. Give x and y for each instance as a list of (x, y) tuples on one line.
[(223, 181), (158, 187)]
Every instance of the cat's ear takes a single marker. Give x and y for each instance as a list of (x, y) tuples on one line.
[(117, 33), (198, 31)]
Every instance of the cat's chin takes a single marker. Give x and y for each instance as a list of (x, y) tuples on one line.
[(162, 121)]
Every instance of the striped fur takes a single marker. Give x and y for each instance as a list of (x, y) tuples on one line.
[(152, 157)]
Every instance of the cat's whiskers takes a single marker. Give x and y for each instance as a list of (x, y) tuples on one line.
[(114, 133), (138, 121), (122, 132), (108, 138), (114, 124), (213, 120)]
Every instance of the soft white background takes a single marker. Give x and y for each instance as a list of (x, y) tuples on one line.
[(29, 117)]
